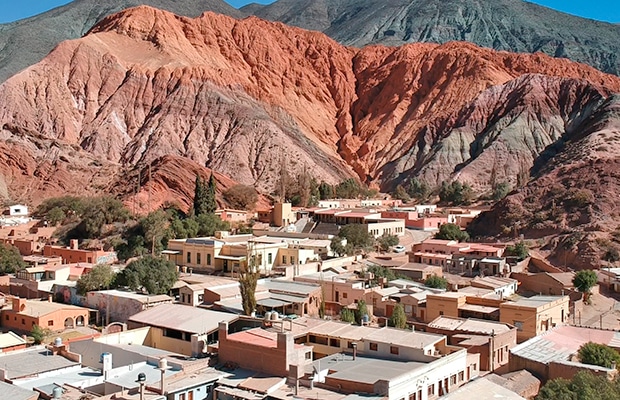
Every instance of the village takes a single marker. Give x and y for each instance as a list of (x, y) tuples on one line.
[(415, 317)]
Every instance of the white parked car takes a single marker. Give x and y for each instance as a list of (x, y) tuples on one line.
[(399, 248)]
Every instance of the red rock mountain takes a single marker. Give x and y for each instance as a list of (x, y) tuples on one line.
[(244, 96)]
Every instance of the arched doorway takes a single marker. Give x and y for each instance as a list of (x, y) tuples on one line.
[(69, 323), (79, 321)]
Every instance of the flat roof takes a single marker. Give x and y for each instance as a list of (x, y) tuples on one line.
[(482, 388), (478, 309), (38, 308), (535, 301), (142, 298), (14, 392), (470, 325), (127, 378), (183, 318), (10, 339), (32, 361), (364, 369), (301, 288), (560, 343)]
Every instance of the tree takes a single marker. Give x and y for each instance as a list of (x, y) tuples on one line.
[(456, 193), (599, 354), (326, 191), (153, 274), (362, 311), (348, 189), (155, 230), (357, 237), (386, 241), (248, 279), (211, 203), (398, 318), (500, 190), (242, 197), (338, 248), (519, 250), (381, 272), (208, 224), (451, 232), (584, 280), (437, 282), (401, 194), (347, 315), (583, 386), (99, 277), (418, 190), (39, 334), (10, 259)]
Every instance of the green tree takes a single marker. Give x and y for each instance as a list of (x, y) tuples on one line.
[(357, 237), (584, 280), (348, 189), (99, 277), (326, 191), (55, 216), (153, 274), (451, 232), (437, 282), (338, 248), (361, 311), (347, 315), (599, 354), (386, 241), (419, 190), (208, 224), (583, 386), (519, 250), (39, 334), (398, 318), (201, 196), (400, 193), (98, 212), (379, 271), (154, 228), (211, 203), (456, 193), (242, 197), (10, 259), (500, 190)]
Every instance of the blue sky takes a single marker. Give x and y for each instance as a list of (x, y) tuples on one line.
[(604, 10)]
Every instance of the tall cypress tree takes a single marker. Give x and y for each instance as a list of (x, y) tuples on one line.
[(210, 202), (200, 197)]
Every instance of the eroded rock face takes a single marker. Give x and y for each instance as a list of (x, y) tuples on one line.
[(244, 97)]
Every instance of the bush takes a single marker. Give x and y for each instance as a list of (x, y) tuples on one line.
[(347, 315), (386, 241), (451, 232), (398, 318), (153, 274), (10, 259), (456, 193), (599, 354), (519, 250), (500, 190), (241, 197), (436, 282)]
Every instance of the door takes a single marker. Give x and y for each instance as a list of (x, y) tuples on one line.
[(389, 310)]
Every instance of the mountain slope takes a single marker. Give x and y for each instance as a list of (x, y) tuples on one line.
[(511, 25), (26, 42), (249, 97)]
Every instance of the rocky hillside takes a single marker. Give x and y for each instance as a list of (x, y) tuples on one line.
[(511, 25), (245, 97), (27, 41), (574, 196)]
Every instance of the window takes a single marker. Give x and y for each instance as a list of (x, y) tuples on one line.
[(198, 258), (412, 396), (201, 297), (344, 295), (431, 389), (283, 259), (440, 312), (292, 260), (394, 350), (519, 325), (461, 376), (50, 322), (334, 342), (453, 380), (6, 317), (208, 259), (269, 258), (309, 355), (23, 321), (189, 257), (374, 346)]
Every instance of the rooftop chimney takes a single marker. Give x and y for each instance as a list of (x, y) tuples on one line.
[(163, 366), (106, 360)]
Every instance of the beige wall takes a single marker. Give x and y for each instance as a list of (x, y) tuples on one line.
[(532, 321), (437, 305), (395, 227)]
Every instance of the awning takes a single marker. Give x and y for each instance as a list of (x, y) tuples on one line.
[(231, 258), (170, 252)]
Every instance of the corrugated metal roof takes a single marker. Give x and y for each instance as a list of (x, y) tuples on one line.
[(183, 318)]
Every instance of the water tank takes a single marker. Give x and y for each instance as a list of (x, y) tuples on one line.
[(268, 316), (57, 392), (58, 342), (274, 316), (163, 363), (365, 319)]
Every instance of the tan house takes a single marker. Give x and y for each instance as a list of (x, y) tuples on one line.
[(492, 340), (535, 315), (73, 254), (25, 314)]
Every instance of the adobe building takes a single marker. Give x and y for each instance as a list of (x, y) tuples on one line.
[(492, 340), (535, 315), (73, 254), (555, 354), (119, 305), (25, 314)]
